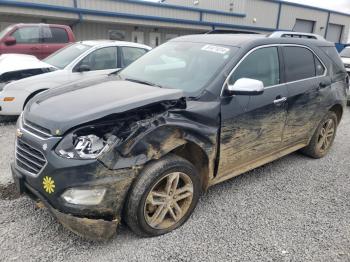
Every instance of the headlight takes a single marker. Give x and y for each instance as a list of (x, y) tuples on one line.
[(86, 197), (88, 142)]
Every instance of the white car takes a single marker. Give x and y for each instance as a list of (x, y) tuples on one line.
[(18, 66), (345, 57), (76, 62)]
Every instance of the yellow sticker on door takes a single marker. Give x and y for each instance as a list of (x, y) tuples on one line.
[(49, 184)]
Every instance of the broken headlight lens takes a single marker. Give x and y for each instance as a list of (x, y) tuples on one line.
[(87, 143)]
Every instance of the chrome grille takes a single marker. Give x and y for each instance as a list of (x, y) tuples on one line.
[(36, 130), (29, 159)]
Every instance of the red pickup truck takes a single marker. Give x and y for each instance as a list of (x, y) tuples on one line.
[(39, 40)]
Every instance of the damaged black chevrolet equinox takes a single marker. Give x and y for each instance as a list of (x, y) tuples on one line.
[(141, 145)]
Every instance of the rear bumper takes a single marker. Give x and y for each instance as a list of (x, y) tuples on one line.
[(94, 229)]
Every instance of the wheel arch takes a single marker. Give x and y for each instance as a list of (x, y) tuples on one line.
[(338, 110), (32, 95), (193, 153), (192, 145)]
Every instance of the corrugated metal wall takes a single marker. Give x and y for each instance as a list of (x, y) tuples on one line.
[(289, 14), (256, 15), (236, 6)]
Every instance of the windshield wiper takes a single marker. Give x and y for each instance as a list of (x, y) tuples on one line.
[(143, 82)]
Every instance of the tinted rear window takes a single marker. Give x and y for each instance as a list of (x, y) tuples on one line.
[(337, 65), (299, 63), (55, 35)]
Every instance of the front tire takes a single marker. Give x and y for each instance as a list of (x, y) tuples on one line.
[(163, 197), (323, 138)]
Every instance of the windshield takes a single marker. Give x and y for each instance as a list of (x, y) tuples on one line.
[(182, 65), (345, 52), (65, 56), (5, 31)]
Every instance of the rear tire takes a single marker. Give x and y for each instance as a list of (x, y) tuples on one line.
[(323, 138), (163, 196)]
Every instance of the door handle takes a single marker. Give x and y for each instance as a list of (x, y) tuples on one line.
[(34, 48), (279, 100)]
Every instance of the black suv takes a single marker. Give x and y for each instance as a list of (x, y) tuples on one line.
[(142, 145)]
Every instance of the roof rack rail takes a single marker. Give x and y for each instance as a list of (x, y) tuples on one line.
[(289, 34), (227, 31)]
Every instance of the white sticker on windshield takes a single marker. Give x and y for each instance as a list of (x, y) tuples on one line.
[(215, 49)]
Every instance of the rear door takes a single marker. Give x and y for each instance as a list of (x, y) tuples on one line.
[(53, 38), (27, 41), (252, 126), (130, 54), (307, 85)]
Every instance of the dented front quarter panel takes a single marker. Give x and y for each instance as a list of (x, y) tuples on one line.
[(159, 135)]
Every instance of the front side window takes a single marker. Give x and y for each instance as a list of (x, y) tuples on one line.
[(262, 64), (27, 35), (67, 55), (181, 65), (299, 63), (130, 54), (54, 35), (101, 59)]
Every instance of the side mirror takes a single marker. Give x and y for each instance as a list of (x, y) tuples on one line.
[(10, 40), (83, 68), (246, 86)]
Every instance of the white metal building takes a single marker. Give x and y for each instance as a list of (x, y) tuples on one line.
[(153, 23)]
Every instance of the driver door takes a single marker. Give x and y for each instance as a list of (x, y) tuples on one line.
[(99, 62), (252, 125)]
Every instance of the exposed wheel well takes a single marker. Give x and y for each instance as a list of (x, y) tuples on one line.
[(32, 95), (338, 110), (196, 155)]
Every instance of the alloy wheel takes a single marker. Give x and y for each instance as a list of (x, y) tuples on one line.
[(169, 200), (326, 135)]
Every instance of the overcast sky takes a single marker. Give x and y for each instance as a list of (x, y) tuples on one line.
[(338, 5)]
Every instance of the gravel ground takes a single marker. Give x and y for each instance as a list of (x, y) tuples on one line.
[(294, 209)]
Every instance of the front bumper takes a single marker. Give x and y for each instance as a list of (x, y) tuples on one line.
[(96, 229), (15, 107), (93, 222)]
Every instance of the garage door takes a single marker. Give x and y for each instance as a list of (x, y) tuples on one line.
[(334, 33), (306, 26)]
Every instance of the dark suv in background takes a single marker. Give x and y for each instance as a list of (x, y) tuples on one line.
[(142, 145), (40, 40)]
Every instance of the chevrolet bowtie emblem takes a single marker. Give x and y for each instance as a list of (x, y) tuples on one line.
[(19, 133)]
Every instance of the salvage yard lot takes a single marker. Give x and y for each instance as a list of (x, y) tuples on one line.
[(295, 208)]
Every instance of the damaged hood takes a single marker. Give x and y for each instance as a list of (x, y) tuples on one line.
[(66, 107), (18, 62)]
